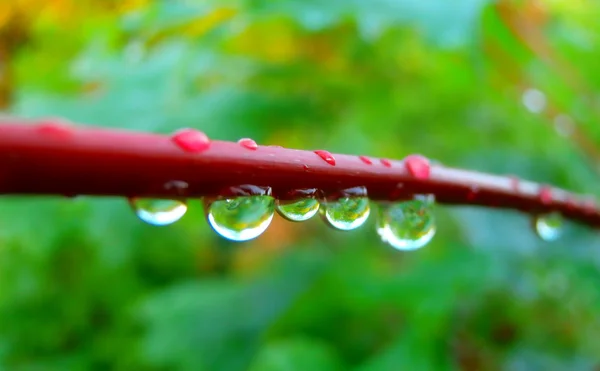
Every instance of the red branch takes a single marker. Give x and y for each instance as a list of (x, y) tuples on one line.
[(49, 158)]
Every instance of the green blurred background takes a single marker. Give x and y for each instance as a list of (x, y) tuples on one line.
[(509, 87)]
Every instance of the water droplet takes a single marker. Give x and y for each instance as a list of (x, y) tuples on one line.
[(248, 143), (366, 160), (418, 166), (549, 226), (534, 100), (407, 225), (158, 211), (349, 210), (545, 195), (385, 162), (299, 205), (298, 210), (241, 218), (325, 155), (191, 140), (58, 129)]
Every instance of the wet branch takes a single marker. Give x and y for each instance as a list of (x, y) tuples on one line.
[(51, 158)]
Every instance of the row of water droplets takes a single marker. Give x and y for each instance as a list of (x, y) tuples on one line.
[(405, 225)]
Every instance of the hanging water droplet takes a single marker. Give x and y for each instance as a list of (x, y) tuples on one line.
[(299, 205), (298, 210), (241, 218), (549, 226), (158, 211), (348, 211), (408, 225)]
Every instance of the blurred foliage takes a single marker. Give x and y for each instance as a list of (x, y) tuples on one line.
[(506, 87)]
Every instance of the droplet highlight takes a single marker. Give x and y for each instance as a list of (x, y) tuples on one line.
[(348, 211), (418, 166), (240, 218), (327, 156), (298, 210), (191, 140), (158, 212), (248, 143), (407, 225), (549, 227)]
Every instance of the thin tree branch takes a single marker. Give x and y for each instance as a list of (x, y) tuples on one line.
[(50, 158)]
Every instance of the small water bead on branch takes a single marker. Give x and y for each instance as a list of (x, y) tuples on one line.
[(346, 210), (326, 156), (248, 143), (191, 140), (299, 205), (241, 213), (407, 225)]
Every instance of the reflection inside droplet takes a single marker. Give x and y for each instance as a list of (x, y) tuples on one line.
[(549, 227), (158, 212), (241, 218), (298, 210), (407, 225), (349, 211)]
